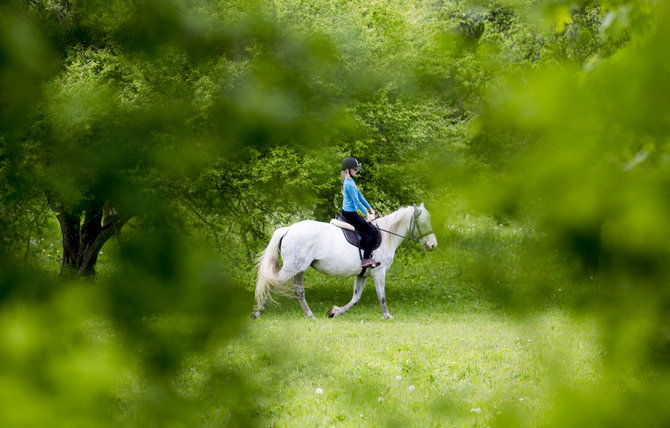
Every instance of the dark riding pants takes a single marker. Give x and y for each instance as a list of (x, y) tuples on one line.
[(365, 229)]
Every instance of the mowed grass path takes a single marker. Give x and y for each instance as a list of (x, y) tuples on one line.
[(445, 360)]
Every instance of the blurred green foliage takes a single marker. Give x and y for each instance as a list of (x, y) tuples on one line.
[(178, 134)]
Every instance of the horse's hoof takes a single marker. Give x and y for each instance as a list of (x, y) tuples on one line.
[(330, 313), (255, 315)]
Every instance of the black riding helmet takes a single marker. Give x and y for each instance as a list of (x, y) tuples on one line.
[(350, 163)]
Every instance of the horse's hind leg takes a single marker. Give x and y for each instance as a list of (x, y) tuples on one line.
[(258, 311), (298, 282), (359, 284), (282, 277)]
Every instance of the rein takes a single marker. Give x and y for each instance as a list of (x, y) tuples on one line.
[(402, 236), (413, 224)]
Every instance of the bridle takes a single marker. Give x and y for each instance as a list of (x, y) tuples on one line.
[(414, 224)]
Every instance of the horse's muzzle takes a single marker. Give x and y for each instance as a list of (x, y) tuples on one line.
[(430, 243)]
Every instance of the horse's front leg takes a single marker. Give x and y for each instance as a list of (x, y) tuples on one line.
[(359, 284), (380, 284)]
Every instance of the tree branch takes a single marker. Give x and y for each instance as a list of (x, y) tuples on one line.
[(90, 254)]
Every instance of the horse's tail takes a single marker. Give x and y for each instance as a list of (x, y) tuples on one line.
[(268, 267)]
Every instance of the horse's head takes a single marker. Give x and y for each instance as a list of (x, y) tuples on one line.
[(422, 229)]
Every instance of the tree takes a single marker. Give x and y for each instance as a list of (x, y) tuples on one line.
[(141, 98)]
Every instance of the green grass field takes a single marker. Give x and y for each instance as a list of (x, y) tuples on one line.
[(449, 358), (455, 355), (460, 370)]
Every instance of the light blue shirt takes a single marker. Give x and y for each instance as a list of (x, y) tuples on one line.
[(353, 199)]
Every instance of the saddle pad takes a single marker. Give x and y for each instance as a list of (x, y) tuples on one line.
[(352, 236), (342, 224)]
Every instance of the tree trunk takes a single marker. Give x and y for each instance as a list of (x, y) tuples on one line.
[(88, 249), (69, 226), (84, 238)]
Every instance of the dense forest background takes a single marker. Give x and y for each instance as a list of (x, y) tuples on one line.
[(149, 148)]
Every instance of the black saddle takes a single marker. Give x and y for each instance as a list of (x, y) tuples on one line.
[(354, 237)]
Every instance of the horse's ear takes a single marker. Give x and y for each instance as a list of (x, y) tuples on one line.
[(422, 206)]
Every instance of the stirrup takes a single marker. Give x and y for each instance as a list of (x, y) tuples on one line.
[(369, 263)]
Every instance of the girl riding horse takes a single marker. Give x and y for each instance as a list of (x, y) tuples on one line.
[(353, 202)]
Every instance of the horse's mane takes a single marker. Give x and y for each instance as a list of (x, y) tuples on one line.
[(393, 221)]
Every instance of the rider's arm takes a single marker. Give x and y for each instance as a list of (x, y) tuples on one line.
[(365, 203)]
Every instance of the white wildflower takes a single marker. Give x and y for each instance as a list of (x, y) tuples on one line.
[(476, 410), (319, 391), (398, 377), (411, 388)]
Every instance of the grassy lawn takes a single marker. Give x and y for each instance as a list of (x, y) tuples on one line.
[(453, 356), (447, 359)]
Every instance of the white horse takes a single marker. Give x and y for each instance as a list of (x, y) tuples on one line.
[(323, 247)]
